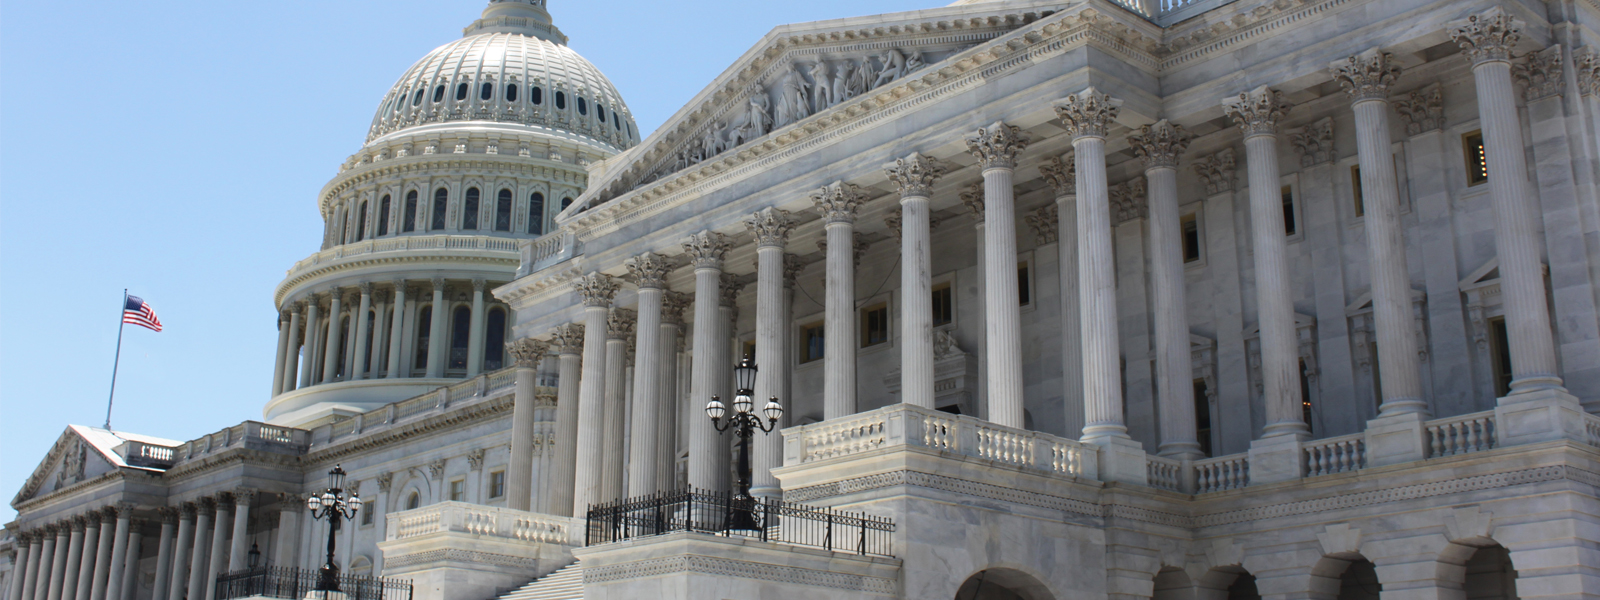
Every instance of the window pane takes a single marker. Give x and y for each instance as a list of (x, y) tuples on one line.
[(875, 325), (536, 95), (502, 212), (600, 112), (565, 202), (1287, 196), (1202, 416), (417, 98), (383, 216), (410, 223), (441, 199), (536, 213), (811, 342), (361, 222), (486, 92), (461, 92), (1355, 186), (1023, 285), (469, 216), (1191, 239), (511, 92), (438, 93), (494, 341), (561, 99), (1477, 163), (583, 107), (424, 333), (460, 333), (943, 305)]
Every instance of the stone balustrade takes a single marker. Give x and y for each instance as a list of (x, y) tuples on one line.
[(491, 521), (1591, 425), (1166, 474), (1460, 434), (1336, 454), (554, 247), (1222, 473), (253, 435)]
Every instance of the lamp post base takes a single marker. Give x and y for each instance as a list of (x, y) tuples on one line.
[(328, 578)]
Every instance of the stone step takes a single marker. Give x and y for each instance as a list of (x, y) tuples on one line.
[(565, 583)]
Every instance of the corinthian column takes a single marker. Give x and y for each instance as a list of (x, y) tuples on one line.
[(291, 350), (597, 290), (27, 571), (242, 499), (169, 526), (649, 273), (102, 559), (707, 249), (996, 148), (667, 412), (397, 327), (358, 367), (527, 354), (1061, 173), (914, 176), (838, 202), (309, 365), (1366, 77), (58, 561), (197, 555), (281, 357), (1088, 115), (69, 583), (1257, 112), (436, 332), (568, 340), (119, 552), (1159, 145), (619, 329), (475, 330), (330, 352), (1487, 39), (771, 228), (181, 552), (219, 545), (91, 543)]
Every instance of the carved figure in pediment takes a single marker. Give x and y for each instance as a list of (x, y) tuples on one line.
[(821, 86), (913, 61), (758, 116), (841, 82), (792, 102), (711, 142), (894, 65), (861, 78)]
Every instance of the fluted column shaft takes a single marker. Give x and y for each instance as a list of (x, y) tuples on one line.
[(308, 365), (1097, 295), (119, 555), (397, 329), (358, 367), (69, 577), (197, 557), (281, 357), (703, 446), (613, 419), (290, 354), (21, 566), (52, 559), (130, 564), (1398, 358), (839, 328), (182, 551), (524, 416), (1003, 328), (475, 333), (102, 557), (30, 570), (169, 527), (437, 333), (1071, 316), (91, 545), (568, 370), (1279, 352), (647, 372), (219, 545), (330, 352), (773, 377), (58, 564), (238, 551), (1174, 372), (667, 394), (597, 291), (915, 175)]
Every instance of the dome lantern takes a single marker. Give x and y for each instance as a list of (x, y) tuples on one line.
[(526, 17)]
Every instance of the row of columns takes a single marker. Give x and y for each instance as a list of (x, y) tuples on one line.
[(299, 328)]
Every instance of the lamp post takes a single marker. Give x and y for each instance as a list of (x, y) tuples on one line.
[(335, 507), (744, 424)]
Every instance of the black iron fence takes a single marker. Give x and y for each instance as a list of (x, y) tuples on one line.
[(297, 584), (720, 513)]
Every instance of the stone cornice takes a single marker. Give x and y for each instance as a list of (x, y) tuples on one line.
[(460, 258), (493, 407)]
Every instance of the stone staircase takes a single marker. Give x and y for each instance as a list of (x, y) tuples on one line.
[(565, 583)]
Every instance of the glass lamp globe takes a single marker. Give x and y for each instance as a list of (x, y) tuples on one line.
[(746, 373), (715, 409), (355, 504), (742, 404), (314, 503), (773, 410)]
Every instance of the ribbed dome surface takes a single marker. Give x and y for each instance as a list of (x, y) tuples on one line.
[(507, 78)]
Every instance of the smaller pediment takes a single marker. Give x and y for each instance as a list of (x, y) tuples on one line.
[(83, 453), (1363, 303), (1300, 322)]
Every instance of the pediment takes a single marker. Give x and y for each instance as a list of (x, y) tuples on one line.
[(80, 454), (1301, 321), (1363, 303)]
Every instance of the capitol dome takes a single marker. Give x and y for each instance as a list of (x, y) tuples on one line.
[(512, 68)]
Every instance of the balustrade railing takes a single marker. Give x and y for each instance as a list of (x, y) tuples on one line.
[(1460, 434), (1591, 425), (410, 242), (476, 519), (1336, 454), (1164, 473), (1222, 473), (140, 454), (720, 513), (299, 584), (958, 434)]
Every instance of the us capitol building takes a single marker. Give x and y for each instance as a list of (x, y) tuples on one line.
[(1078, 300)]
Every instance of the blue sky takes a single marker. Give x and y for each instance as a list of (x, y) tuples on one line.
[(176, 149)]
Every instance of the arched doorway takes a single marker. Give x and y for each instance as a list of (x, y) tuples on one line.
[(1231, 582), (1002, 584), (1359, 581), (1490, 575)]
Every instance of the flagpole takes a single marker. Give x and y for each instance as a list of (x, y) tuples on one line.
[(116, 360)]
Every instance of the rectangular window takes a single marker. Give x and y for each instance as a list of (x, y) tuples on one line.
[(1500, 354), (1191, 237), (458, 490), (1024, 285), (1305, 398), (747, 350), (366, 514), (1355, 187), (1290, 227), (811, 342), (944, 310), (874, 324), (1477, 163), (497, 484), (1202, 416)]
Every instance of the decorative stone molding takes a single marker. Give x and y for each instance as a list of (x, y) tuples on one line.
[(972, 197), (620, 323), (206, 507), (1061, 172), (730, 286), (1340, 538), (188, 510), (838, 202), (997, 146), (244, 497), (792, 266), (673, 304), (914, 175), (461, 556), (739, 569), (526, 353), (438, 283), (1588, 62), (771, 226), (1540, 74), (1314, 143), (596, 289), (1044, 225), (436, 469), (1422, 109), (1128, 201), (1488, 36), (1366, 76), (1469, 523), (707, 249), (475, 459), (649, 270), (1257, 111), (385, 482), (1088, 113), (568, 338), (1159, 144)]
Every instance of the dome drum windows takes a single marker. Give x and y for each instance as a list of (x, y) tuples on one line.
[(383, 216), (469, 211), (536, 214), (486, 91), (561, 100), (438, 93), (583, 107), (536, 95), (600, 111), (441, 199), (409, 223), (361, 222), (502, 211), (417, 97), (511, 92), (461, 91)]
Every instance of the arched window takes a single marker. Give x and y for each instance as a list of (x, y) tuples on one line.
[(438, 93), (511, 92), (616, 122), (486, 92), (561, 100), (460, 334), (424, 333), (383, 216), (565, 202), (410, 222), (417, 97), (600, 112), (536, 214), (536, 95), (469, 210), (583, 107), (494, 341), (340, 369), (502, 212), (441, 198), (364, 363), (461, 91), (413, 501), (361, 222)]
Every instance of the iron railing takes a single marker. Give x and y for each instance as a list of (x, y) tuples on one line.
[(298, 584), (721, 514)]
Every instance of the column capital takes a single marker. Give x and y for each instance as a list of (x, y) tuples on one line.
[(399, 284), (1539, 74), (1061, 172), (478, 283), (649, 270), (284, 317), (568, 338), (1314, 143), (1128, 200), (297, 307), (596, 289), (1159, 144), (293, 502), (914, 174), (1257, 111), (672, 306), (1043, 223), (527, 352), (997, 145), (385, 482), (620, 323), (1588, 62), (244, 496), (730, 287), (707, 249), (436, 469), (365, 288), (187, 510), (1217, 171), (792, 266), (224, 499), (169, 515), (1088, 113), (81, 522), (1487, 36), (771, 226), (1366, 76), (838, 202), (206, 506), (475, 459), (1422, 109), (972, 197), (438, 283)]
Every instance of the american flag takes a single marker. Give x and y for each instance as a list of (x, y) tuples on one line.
[(136, 311)]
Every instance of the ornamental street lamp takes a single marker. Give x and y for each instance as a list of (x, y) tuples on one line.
[(335, 507), (744, 424)]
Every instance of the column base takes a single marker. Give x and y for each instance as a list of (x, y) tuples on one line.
[(1395, 439), (1121, 459), (1539, 416), (1277, 458)]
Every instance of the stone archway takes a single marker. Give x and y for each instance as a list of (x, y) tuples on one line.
[(1490, 574), (1001, 583), (1231, 582)]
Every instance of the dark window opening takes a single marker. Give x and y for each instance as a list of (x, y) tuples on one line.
[(410, 223), (383, 216), (600, 112), (486, 92), (1024, 298), (944, 310), (1355, 190), (536, 95), (565, 202), (616, 122), (461, 91), (812, 342), (424, 334), (417, 97), (874, 325), (438, 93), (561, 100), (583, 107), (1244, 588), (1305, 398), (340, 368), (460, 335), (502, 211), (497, 484), (441, 199), (1191, 238), (1499, 353), (494, 341), (361, 222), (469, 210), (511, 92), (536, 214), (1477, 159), (413, 501), (1202, 417), (1289, 225)]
